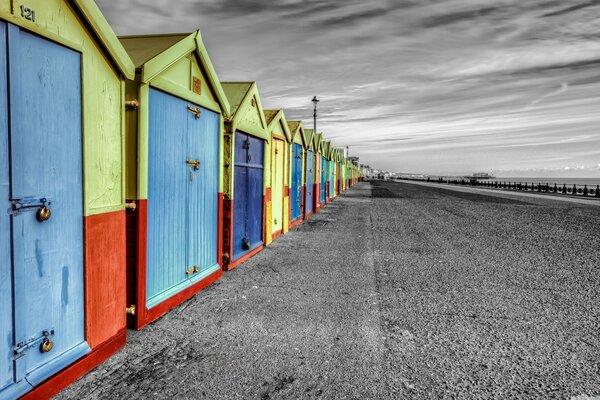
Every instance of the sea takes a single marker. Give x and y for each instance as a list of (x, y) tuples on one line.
[(590, 182)]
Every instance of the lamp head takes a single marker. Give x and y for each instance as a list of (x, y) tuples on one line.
[(315, 100)]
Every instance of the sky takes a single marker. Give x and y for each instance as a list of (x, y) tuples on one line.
[(510, 87)]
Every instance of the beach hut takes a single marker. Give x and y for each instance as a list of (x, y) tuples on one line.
[(247, 161), (174, 125), (299, 169), (310, 174), (320, 171), (281, 137), (327, 151), (62, 225)]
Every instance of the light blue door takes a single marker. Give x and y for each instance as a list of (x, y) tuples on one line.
[(45, 174), (203, 192), (6, 321), (310, 172), (182, 196)]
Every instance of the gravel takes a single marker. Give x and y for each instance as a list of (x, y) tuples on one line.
[(391, 291)]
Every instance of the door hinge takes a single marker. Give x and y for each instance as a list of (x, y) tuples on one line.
[(195, 111), (130, 310), (132, 105), (192, 270), (194, 163), (44, 338), (130, 205)]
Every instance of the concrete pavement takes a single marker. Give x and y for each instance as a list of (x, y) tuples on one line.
[(391, 291)]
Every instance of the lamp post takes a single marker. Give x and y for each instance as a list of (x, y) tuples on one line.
[(315, 101)]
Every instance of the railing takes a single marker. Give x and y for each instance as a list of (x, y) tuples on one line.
[(520, 186)]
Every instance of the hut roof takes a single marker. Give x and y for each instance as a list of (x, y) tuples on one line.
[(106, 36)]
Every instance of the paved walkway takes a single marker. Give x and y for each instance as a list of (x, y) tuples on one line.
[(392, 291), (506, 193)]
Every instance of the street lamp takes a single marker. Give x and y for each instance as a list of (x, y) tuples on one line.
[(315, 100)]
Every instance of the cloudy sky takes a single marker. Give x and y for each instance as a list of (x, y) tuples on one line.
[(433, 86)]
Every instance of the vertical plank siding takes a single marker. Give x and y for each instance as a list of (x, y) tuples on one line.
[(310, 171), (296, 184), (182, 201), (248, 198)]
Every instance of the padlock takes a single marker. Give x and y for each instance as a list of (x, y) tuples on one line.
[(43, 214), (46, 345)]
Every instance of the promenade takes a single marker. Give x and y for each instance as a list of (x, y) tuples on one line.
[(393, 290)]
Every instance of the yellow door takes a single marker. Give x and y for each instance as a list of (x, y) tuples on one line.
[(277, 172)]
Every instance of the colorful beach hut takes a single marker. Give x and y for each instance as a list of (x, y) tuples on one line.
[(311, 176), (174, 125), (298, 173), (62, 225), (281, 137), (321, 170), (327, 152), (247, 159)]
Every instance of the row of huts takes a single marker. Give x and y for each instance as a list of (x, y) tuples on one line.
[(130, 178)]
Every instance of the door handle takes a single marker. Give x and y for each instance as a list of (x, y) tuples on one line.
[(194, 163)]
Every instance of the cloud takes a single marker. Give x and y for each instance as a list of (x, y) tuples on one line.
[(422, 85)]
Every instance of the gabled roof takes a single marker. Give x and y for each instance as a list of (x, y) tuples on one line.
[(236, 93), (144, 48), (327, 149), (243, 96), (152, 54), (318, 142), (309, 134), (297, 128), (270, 115), (106, 36), (274, 117)]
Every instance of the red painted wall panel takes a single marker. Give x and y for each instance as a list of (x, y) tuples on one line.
[(105, 287)]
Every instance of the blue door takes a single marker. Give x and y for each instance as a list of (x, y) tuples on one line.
[(331, 178), (43, 194), (247, 196), (310, 173), (296, 187), (182, 196), (323, 179)]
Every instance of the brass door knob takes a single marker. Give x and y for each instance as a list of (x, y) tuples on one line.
[(44, 214)]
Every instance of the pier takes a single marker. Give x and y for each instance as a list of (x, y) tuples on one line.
[(393, 290)]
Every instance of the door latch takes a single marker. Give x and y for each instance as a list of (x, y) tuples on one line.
[(194, 163), (43, 340), (39, 204), (194, 110)]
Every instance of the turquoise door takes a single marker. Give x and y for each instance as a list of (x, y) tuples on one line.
[(182, 196), (43, 193)]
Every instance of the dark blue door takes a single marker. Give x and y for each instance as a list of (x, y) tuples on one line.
[(182, 196), (310, 171), (45, 199), (296, 187), (247, 195)]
